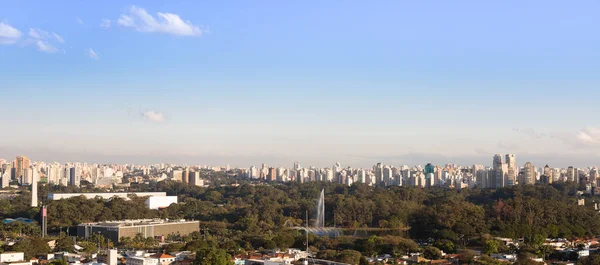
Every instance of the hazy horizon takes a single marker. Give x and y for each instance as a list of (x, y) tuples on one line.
[(244, 83)]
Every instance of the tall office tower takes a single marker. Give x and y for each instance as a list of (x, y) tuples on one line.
[(254, 174), (26, 178), (429, 180), (528, 174), (296, 166), (328, 175), (335, 171), (281, 172), (429, 168), (194, 179), (379, 173), (22, 163), (272, 176), (34, 191), (185, 175), (556, 177), (481, 177), (387, 176), (72, 177), (500, 172), (571, 174), (300, 176), (5, 180), (177, 175), (511, 162), (547, 177), (594, 176)]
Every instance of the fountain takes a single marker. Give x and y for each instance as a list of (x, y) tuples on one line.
[(320, 222)]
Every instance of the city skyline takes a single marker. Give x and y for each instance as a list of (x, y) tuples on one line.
[(272, 82)]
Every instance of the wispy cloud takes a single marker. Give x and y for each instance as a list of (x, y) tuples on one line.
[(58, 37), (169, 23), (8, 34), (588, 138), (153, 116), (93, 54), (79, 21), (530, 132), (507, 145), (44, 40), (106, 23), (45, 47)]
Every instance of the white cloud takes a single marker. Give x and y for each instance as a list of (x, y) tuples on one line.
[(530, 132), (39, 34), (79, 21), (45, 41), (588, 138), (140, 20), (58, 37), (8, 34), (106, 23), (126, 21), (153, 116), (45, 47), (93, 54)]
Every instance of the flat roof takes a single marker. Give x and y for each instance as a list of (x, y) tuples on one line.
[(140, 222)]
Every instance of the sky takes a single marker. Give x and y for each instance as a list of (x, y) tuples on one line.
[(319, 82)]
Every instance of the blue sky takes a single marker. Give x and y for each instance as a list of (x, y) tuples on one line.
[(243, 82)]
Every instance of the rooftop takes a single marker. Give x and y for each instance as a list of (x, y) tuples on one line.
[(138, 222)]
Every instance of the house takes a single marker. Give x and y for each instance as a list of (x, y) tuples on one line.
[(164, 259)]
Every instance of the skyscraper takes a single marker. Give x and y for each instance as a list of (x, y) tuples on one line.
[(379, 173), (528, 174), (387, 175), (72, 177), (511, 162), (594, 176), (571, 174), (22, 163), (500, 172), (429, 168), (547, 178), (272, 176)]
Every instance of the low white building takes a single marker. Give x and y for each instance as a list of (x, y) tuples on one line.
[(141, 261), (155, 203), (12, 257)]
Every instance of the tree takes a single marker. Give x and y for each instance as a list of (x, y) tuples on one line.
[(445, 245), (465, 256), (32, 247), (88, 247), (490, 246), (349, 256), (64, 243), (212, 256), (432, 253)]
